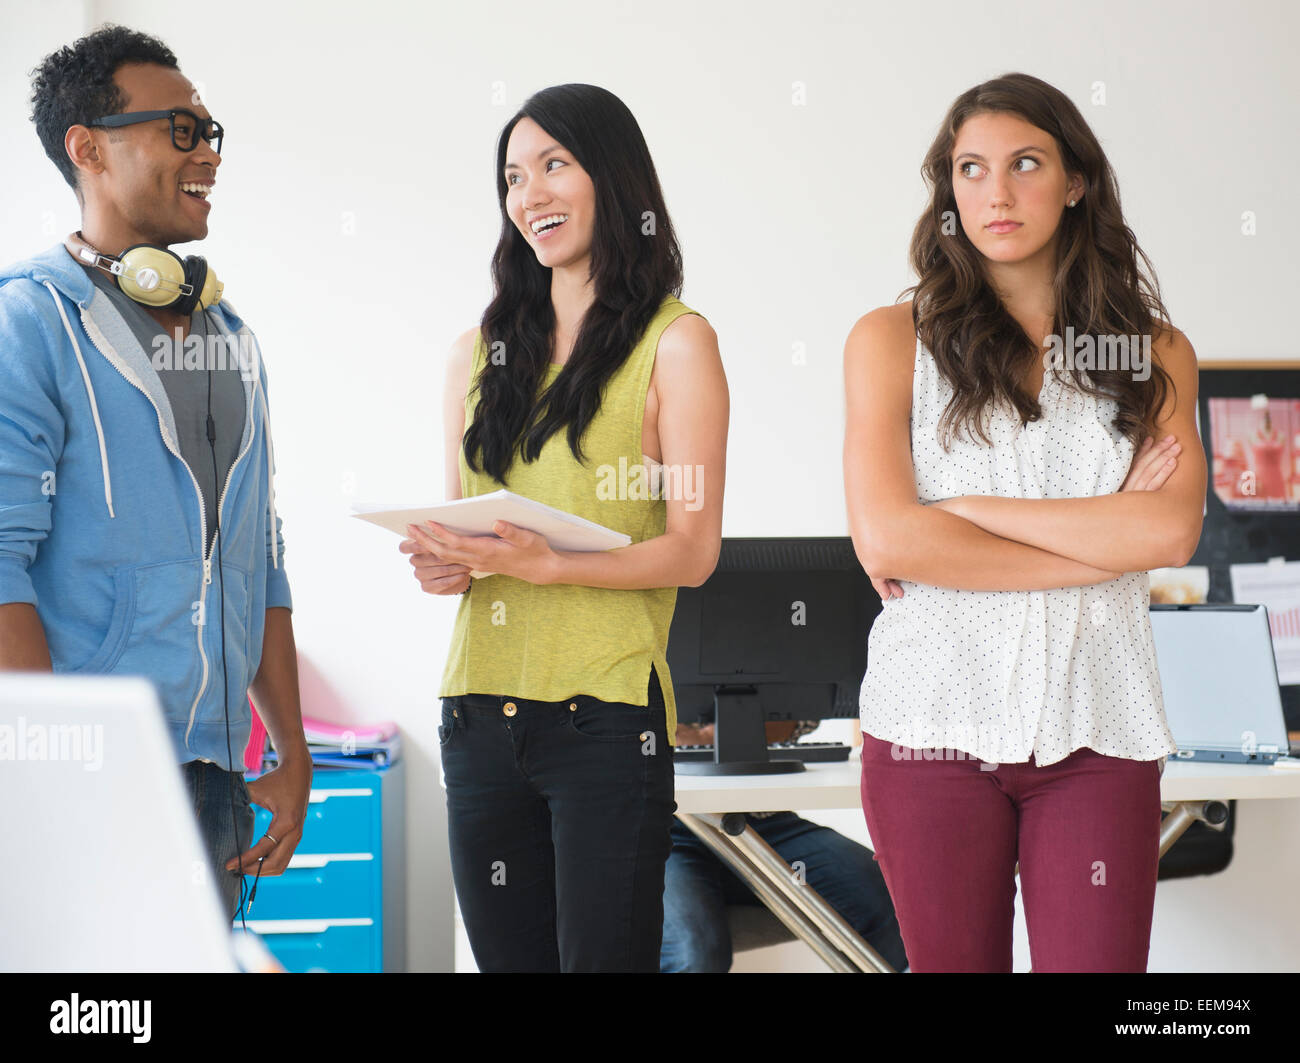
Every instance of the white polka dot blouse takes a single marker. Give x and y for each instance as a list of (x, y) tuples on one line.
[(1003, 674)]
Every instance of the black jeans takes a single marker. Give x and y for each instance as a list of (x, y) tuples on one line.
[(559, 817), (225, 833)]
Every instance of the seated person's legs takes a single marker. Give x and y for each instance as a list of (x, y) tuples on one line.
[(699, 887), (697, 938)]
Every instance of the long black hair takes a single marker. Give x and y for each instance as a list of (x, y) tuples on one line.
[(635, 263)]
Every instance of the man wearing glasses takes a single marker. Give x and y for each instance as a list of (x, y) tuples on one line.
[(186, 127), (138, 532)]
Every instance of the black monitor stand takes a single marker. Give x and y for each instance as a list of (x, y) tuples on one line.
[(739, 739)]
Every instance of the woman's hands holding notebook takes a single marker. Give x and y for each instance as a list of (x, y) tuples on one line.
[(448, 558)]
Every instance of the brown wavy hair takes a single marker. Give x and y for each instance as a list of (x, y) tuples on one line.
[(1098, 286)]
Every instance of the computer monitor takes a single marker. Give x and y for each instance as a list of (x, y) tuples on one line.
[(778, 632), (108, 869), (1218, 678)]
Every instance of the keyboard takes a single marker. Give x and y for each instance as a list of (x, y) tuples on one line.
[(808, 752)]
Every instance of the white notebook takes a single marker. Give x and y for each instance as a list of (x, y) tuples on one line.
[(476, 515)]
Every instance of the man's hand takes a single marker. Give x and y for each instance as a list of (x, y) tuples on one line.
[(690, 735), (284, 792), (774, 730)]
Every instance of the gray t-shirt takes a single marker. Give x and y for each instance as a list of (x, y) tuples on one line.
[(187, 391)]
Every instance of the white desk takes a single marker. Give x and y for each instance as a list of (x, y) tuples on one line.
[(1188, 791)]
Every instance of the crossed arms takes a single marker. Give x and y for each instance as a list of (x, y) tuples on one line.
[(984, 542)]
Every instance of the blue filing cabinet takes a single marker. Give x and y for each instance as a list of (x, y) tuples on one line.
[(340, 905)]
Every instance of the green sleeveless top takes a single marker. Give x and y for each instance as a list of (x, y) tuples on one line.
[(548, 642)]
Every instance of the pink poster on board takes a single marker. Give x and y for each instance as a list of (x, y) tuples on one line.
[(1256, 448)]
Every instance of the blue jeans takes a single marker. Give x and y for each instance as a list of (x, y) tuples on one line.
[(212, 790), (558, 819), (700, 887)]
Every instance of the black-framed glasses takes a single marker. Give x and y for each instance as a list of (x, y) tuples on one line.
[(187, 127)]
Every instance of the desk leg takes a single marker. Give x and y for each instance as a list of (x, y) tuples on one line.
[(1182, 814), (802, 910)]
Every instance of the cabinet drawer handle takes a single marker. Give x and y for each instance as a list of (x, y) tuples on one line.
[(321, 859), (302, 926)]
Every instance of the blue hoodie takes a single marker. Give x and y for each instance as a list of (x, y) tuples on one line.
[(102, 525)]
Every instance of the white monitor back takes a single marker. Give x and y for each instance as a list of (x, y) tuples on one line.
[(107, 871)]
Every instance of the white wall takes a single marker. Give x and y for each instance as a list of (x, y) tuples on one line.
[(355, 215), (37, 207)]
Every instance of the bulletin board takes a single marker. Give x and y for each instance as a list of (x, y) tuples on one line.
[(1249, 420)]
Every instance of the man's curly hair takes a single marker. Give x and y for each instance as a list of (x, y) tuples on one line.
[(74, 85)]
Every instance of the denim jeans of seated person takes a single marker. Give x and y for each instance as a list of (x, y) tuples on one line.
[(700, 887), (558, 819), (212, 789)]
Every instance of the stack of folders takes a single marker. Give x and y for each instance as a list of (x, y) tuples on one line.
[(367, 747)]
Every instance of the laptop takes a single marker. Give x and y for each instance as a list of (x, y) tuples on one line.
[(113, 873), (1219, 680)]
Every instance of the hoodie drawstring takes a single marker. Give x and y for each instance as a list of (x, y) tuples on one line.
[(270, 460), (90, 393), (103, 450)]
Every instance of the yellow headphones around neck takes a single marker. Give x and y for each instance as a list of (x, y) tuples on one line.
[(154, 276)]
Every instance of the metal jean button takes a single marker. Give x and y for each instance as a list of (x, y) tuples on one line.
[(510, 708)]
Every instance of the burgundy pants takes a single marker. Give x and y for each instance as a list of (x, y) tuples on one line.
[(947, 835)]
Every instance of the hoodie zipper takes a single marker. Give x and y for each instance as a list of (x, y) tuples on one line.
[(203, 516)]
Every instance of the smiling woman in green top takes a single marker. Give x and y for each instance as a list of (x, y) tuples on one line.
[(586, 381)]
